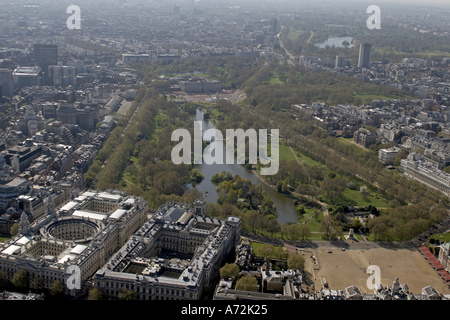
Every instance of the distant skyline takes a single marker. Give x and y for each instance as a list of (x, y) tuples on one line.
[(259, 4), (445, 3), (425, 3), (409, 3)]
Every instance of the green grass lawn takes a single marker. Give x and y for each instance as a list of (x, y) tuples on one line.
[(314, 223), (286, 153), (315, 237), (255, 245), (135, 160), (358, 200), (428, 53), (442, 237), (198, 74), (368, 98), (293, 35), (349, 141), (127, 177), (275, 80), (214, 113), (307, 161), (309, 212)]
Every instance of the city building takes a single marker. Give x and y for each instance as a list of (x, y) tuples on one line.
[(365, 55), (431, 293), (49, 110), (32, 205), (224, 291), (136, 58), (86, 118), (84, 157), (444, 255), (6, 83), (340, 62), (167, 58), (275, 25), (66, 113), (199, 85), (175, 255), (278, 281), (20, 157), (364, 137), (11, 190), (130, 94), (84, 232), (84, 78), (417, 167), (45, 55), (26, 76), (353, 293), (388, 156), (62, 75), (440, 158)]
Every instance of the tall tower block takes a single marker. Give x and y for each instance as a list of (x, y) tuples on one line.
[(365, 55)]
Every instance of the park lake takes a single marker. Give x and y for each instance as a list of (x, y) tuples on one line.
[(286, 208), (337, 42)]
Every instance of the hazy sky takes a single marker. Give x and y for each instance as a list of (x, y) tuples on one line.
[(407, 3), (444, 3)]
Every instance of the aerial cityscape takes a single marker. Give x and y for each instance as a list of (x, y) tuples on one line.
[(204, 150)]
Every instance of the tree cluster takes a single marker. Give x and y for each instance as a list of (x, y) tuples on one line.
[(243, 193)]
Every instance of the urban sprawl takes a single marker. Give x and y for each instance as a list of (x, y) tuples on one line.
[(63, 92)]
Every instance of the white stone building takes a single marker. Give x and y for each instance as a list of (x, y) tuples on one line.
[(84, 232), (175, 255)]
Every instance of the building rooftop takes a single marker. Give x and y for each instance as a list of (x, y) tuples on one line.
[(27, 71), (173, 214), (118, 214), (89, 214), (11, 249)]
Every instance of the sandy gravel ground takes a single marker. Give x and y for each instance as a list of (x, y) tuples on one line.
[(124, 107), (345, 268), (232, 96)]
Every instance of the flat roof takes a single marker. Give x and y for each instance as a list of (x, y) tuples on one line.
[(136, 55), (27, 71), (11, 249), (16, 182), (118, 213), (89, 194), (88, 214), (109, 196), (80, 198), (69, 205), (78, 249), (24, 240), (66, 258), (173, 214), (233, 219), (185, 217)]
